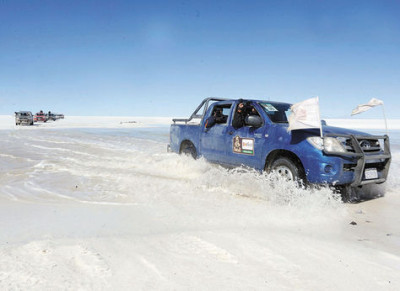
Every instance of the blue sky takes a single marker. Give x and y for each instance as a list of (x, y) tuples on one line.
[(161, 58)]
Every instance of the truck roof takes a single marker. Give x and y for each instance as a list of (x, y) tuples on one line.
[(260, 101), (198, 113)]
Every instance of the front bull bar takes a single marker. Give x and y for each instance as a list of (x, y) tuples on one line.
[(383, 156)]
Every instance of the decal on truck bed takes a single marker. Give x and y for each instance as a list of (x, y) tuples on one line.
[(243, 145)]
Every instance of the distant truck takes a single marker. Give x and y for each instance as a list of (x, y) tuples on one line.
[(54, 116), (343, 158), (23, 117), (58, 116), (40, 116)]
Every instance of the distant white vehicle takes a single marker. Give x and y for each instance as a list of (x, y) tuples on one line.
[(54, 116), (23, 117), (58, 116)]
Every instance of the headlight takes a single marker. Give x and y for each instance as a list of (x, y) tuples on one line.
[(329, 144), (316, 141)]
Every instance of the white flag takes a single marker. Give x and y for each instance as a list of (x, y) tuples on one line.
[(305, 114), (364, 107)]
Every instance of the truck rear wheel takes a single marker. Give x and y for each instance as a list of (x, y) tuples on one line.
[(187, 148), (287, 169)]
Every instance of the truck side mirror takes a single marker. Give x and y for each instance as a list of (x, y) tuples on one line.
[(254, 121)]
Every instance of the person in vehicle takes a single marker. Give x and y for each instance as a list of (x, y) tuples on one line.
[(239, 116), (216, 117), (243, 109)]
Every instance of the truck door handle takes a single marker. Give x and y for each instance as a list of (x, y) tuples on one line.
[(230, 132)]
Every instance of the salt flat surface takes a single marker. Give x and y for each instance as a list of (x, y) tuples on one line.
[(8, 122), (96, 203), (392, 124)]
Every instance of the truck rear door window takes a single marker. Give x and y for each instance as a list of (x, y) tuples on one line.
[(222, 112)]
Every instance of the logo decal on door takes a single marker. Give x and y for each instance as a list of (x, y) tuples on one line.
[(243, 145)]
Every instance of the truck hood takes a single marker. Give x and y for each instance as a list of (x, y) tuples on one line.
[(340, 130), (327, 129)]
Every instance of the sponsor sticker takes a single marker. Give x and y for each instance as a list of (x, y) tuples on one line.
[(243, 145)]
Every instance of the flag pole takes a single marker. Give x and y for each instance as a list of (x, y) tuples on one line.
[(320, 124), (384, 116), (372, 103)]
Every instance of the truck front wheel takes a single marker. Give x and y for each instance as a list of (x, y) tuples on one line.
[(188, 149), (287, 169)]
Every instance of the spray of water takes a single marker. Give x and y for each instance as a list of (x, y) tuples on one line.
[(103, 167)]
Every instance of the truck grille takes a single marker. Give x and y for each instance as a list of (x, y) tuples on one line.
[(366, 145)]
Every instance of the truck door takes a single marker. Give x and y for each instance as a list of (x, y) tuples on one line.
[(245, 145), (212, 139)]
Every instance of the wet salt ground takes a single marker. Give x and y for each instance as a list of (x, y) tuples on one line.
[(48, 158), (109, 208), (114, 165)]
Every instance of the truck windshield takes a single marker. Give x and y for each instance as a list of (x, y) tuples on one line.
[(277, 112)]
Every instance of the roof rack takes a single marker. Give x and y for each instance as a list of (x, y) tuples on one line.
[(196, 114)]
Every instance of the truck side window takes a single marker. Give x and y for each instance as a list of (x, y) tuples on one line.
[(219, 115)]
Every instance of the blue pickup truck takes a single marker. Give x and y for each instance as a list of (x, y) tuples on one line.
[(342, 157)]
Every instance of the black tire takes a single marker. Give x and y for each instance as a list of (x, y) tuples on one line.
[(289, 170), (187, 148)]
